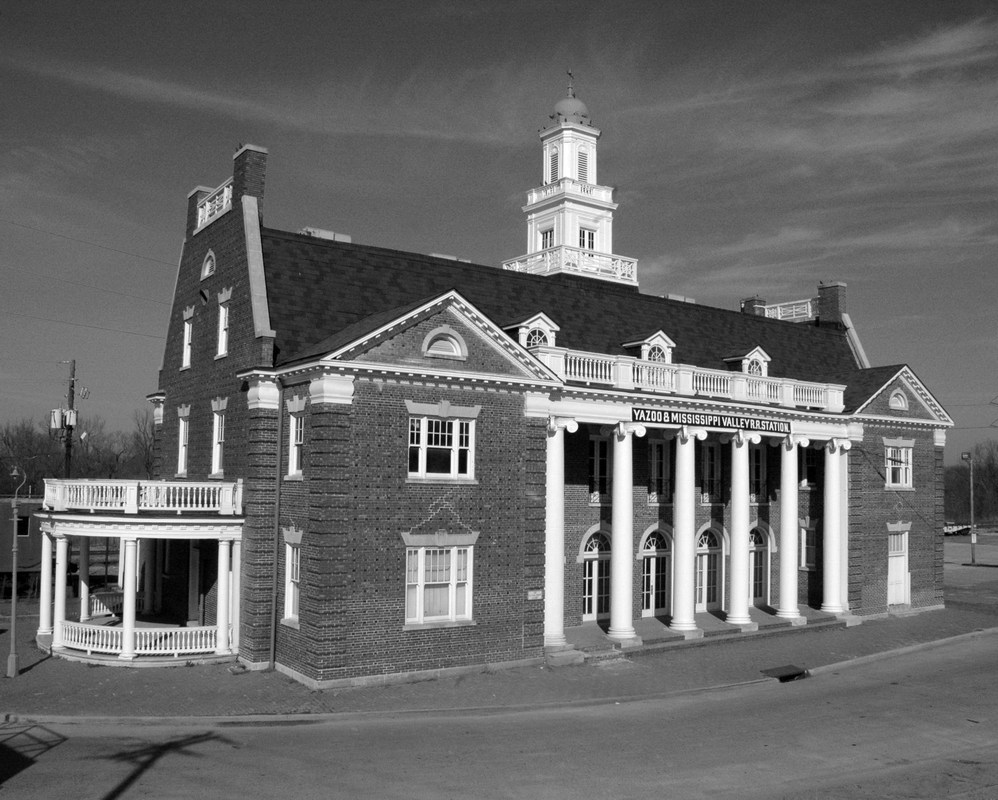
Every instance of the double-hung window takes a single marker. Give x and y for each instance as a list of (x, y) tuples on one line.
[(757, 474), (599, 470), (437, 584), (223, 329), (661, 488), (710, 473), (217, 433), (441, 447), (292, 588), (587, 239), (897, 466), (547, 238), (808, 548), (188, 341), (183, 434), (296, 442)]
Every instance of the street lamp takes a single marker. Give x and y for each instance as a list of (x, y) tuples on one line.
[(969, 458), (12, 658)]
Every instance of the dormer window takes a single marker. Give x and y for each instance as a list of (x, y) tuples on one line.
[(657, 348), (755, 363), (536, 337), (445, 342), (658, 354), (536, 331)]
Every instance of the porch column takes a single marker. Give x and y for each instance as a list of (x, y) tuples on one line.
[(832, 528), (554, 531), (738, 612), (789, 527), (223, 599), (84, 574), (148, 574), (121, 566), (622, 525), (235, 590), (161, 563), (59, 612), (130, 589), (684, 551), (45, 608)]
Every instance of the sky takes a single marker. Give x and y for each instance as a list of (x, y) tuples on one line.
[(756, 148)]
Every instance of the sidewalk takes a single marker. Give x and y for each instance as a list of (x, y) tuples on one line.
[(51, 689)]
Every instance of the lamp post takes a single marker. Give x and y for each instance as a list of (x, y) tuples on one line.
[(12, 658), (969, 458)]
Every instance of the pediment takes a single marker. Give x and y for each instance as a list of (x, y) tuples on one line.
[(904, 396)]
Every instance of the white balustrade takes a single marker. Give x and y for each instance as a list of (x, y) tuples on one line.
[(578, 261), (131, 497), (794, 311), (215, 204), (148, 641)]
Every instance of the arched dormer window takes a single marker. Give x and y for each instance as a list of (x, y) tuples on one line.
[(445, 342), (657, 353), (656, 348), (754, 363), (899, 400), (536, 337), (755, 368), (208, 265)]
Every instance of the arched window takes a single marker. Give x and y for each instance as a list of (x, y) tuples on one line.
[(708, 594), (657, 353), (655, 575), (755, 367), (208, 265), (444, 342), (596, 577), (899, 400), (536, 337)]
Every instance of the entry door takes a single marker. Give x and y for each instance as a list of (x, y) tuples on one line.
[(897, 569), (708, 553)]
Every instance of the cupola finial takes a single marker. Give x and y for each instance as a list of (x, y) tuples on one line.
[(571, 88)]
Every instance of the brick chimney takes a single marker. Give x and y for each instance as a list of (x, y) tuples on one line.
[(754, 305), (831, 303), (248, 171)]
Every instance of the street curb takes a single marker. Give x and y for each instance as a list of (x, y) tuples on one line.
[(306, 718)]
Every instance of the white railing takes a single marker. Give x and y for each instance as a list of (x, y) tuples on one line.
[(794, 311), (570, 186), (106, 603), (576, 261), (148, 641), (630, 373), (215, 204), (132, 497)]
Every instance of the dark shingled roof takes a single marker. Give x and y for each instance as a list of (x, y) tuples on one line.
[(318, 288)]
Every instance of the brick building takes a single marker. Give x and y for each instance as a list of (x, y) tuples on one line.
[(377, 463)]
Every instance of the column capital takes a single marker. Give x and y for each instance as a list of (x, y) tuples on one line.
[(741, 437), (790, 441), (556, 424), (834, 444), (624, 429), (685, 433)]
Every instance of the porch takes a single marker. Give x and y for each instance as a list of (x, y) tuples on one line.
[(177, 585)]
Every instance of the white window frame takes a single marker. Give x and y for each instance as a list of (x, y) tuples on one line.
[(296, 443), (185, 353), (223, 330), (661, 487), (898, 463), (457, 437), (445, 567), (587, 239), (292, 580), (806, 563), (547, 239), (217, 440), (183, 442)]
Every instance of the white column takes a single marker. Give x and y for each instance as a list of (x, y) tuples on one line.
[(84, 574), (235, 590), (161, 562), (554, 532), (59, 612), (684, 550), (622, 524), (121, 563), (222, 600), (148, 574), (789, 526), (738, 612), (45, 608), (129, 575), (832, 528)]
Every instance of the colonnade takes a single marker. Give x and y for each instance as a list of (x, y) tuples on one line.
[(52, 612), (684, 552)]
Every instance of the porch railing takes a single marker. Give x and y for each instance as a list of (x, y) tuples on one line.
[(148, 641), (629, 372), (133, 497)]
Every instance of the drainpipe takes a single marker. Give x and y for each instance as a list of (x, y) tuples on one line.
[(277, 527)]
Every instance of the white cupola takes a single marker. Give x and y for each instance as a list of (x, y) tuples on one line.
[(570, 216)]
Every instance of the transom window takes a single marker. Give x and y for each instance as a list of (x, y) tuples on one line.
[(441, 447), (437, 584)]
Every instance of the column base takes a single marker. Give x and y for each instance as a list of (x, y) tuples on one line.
[(684, 627), (796, 621), (745, 627), (626, 642), (555, 640), (126, 656)]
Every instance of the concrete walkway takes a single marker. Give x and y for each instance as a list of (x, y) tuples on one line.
[(54, 690)]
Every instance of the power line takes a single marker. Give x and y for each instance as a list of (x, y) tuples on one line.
[(84, 241), (81, 325)]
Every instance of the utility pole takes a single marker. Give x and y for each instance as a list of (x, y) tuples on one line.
[(70, 419)]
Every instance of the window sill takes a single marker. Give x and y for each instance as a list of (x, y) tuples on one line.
[(442, 479), (294, 476), (291, 622), (220, 355), (181, 474), (446, 623), (889, 488), (185, 367), (217, 476)]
